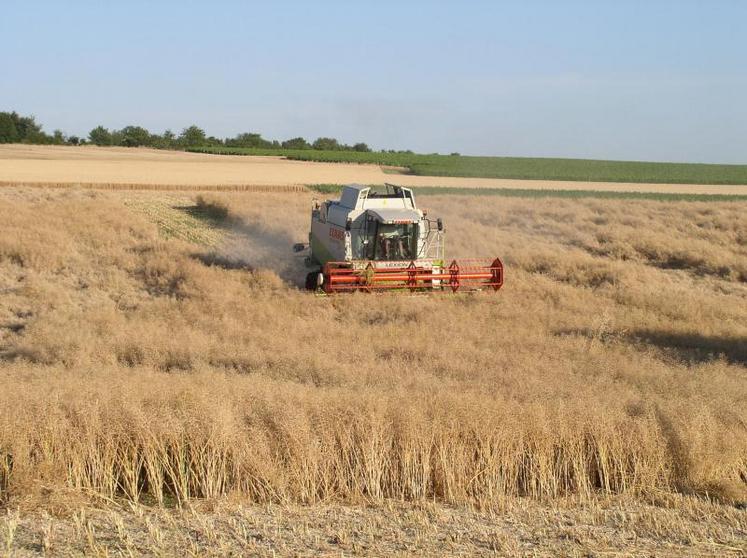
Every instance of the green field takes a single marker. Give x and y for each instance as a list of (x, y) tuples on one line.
[(525, 168), (547, 193)]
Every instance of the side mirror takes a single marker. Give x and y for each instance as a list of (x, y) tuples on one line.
[(440, 224), (348, 225)]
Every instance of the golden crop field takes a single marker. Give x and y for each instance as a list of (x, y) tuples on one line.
[(143, 168), (167, 386)]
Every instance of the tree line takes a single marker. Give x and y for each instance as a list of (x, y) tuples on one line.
[(15, 128), (194, 136)]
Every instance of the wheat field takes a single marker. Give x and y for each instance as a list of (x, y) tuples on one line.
[(142, 168), (156, 352)]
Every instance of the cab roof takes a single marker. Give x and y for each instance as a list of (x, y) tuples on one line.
[(358, 196)]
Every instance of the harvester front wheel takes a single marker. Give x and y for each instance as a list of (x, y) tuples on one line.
[(314, 280)]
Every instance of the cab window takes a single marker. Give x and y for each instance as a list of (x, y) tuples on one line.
[(392, 242)]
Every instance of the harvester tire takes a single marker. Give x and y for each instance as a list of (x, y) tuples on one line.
[(312, 281)]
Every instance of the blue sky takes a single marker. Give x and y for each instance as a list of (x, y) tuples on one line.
[(656, 80)]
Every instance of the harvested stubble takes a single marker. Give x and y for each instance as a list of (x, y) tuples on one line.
[(612, 361), (673, 526)]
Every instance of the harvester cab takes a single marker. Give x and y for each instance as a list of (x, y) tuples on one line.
[(378, 239)]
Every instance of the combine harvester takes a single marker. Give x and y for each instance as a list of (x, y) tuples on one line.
[(374, 241)]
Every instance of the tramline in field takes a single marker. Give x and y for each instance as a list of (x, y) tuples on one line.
[(377, 240)]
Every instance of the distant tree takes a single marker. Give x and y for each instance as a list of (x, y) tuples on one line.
[(167, 140), (248, 140), (100, 136), (58, 137), (8, 130), (14, 127), (296, 143), (454, 154), (73, 140), (192, 136), (361, 147), (134, 136), (157, 141), (326, 144), (117, 137), (27, 127), (37, 137)]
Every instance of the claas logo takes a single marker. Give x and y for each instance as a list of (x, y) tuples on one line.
[(337, 234)]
